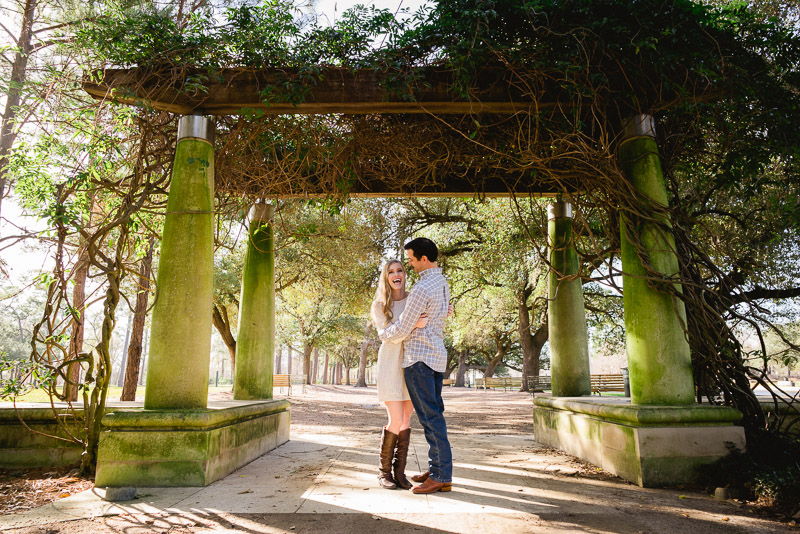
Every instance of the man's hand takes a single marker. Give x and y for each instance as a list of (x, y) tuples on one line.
[(450, 309), (422, 321)]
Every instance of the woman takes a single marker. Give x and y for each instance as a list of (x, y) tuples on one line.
[(390, 299)]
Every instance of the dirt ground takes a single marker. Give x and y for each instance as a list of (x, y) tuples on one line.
[(23, 489), (338, 409)]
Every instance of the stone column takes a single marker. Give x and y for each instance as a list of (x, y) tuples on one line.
[(256, 342), (180, 335), (659, 359), (569, 341)]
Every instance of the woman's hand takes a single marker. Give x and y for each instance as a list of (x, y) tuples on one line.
[(450, 309), (422, 321)]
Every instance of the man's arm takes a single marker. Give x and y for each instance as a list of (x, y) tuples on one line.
[(405, 323)]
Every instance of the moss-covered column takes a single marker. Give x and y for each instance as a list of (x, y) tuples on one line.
[(569, 341), (180, 335), (659, 359), (256, 342)]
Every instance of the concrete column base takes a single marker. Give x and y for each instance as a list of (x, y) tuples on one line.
[(648, 445), (187, 447)]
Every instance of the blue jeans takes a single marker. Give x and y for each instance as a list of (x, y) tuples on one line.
[(425, 389)]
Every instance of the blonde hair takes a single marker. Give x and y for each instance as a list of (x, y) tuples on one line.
[(383, 295)]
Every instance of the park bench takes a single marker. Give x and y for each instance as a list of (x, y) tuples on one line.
[(535, 383), (282, 381), (539, 383), (504, 382), (601, 383), (447, 382)]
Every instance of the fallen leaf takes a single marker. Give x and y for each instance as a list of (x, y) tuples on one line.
[(245, 491)]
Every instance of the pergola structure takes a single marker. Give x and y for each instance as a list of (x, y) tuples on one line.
[(658, 436)]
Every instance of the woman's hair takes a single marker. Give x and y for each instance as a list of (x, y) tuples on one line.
[(383, 294)]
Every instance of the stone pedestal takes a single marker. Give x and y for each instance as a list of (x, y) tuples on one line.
[(648, 445), (19, 447), (187, 447)]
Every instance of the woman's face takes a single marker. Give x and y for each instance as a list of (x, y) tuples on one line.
[(396, 276)]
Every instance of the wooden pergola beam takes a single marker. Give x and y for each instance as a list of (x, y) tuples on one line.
[(334, 90)]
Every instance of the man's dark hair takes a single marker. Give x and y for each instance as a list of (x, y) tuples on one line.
[(422, 246)]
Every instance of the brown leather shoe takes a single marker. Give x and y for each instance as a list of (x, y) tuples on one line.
[(431, 486), (422, 477)]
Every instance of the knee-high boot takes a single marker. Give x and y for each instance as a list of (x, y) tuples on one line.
[(388, 444), (400, 457)]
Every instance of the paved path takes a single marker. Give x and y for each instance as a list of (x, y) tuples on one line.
[(324, 480)]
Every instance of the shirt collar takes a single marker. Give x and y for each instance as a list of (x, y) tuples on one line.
[(431, 270)]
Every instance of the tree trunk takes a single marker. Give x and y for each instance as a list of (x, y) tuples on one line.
[(315, 373), (139, 317), (289, 358), (539, 339), (223, 325), (124, 360), (347, 376), (325, 372), (307, 349), (339, 372), (76, 339), (278, 360), (19, 70), (497, 359), (361, 382), (525, 338), (143, 371), (462, 369)]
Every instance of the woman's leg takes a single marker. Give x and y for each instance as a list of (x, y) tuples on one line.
[(408, 409), (395, 410)]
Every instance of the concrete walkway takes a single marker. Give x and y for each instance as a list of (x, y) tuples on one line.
[(324, 480)]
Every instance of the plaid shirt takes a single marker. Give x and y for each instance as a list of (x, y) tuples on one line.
[(430, 295)]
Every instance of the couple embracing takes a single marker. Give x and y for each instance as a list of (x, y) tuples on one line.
[(411, 365)]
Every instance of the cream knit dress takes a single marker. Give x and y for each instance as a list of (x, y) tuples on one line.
[(391, 383)]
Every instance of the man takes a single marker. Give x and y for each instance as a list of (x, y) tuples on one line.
[(425, 359)]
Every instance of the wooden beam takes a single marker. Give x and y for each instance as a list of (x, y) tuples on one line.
[(333, 90), (478, 186)]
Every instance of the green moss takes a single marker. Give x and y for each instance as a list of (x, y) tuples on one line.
[(256, 342), (569, 342), (187, 448), (180, 336), (658, 352)]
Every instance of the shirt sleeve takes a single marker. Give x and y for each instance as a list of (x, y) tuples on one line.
[(400, 330)]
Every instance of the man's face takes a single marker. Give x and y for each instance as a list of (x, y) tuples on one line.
[(412, 261)]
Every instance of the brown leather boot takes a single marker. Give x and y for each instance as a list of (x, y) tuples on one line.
[(400, 457), (388, 444)]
